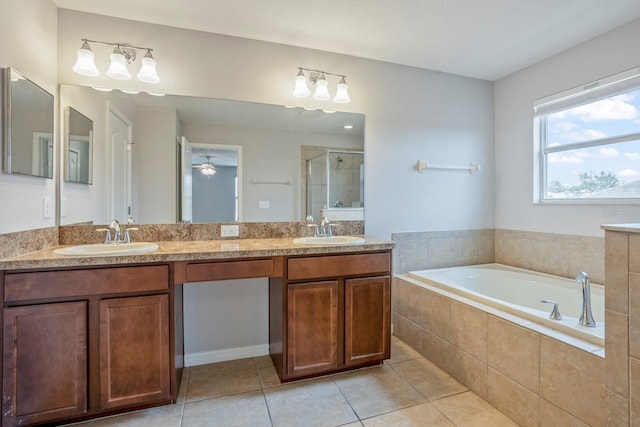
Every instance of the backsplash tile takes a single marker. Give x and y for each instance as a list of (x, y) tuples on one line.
[(22, 242)]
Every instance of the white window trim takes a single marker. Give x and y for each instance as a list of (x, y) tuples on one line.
[(583, 94)]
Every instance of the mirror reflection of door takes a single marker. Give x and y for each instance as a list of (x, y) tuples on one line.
[(216, 172), (74, 165), (184, 194), (42, 159), (120, 182)]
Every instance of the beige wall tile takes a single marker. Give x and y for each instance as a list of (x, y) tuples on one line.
[(517, 402), (587, 257), (634, 253), (406, 330), (469, 330), (400, 297), (431, 381), (617, 410), (634, 315), (515, 352), (634, 379), (566, 373), (551, 415), (435, 349), (539, 259), (434, 313), (616, 289), (617, 357), (468, 370)]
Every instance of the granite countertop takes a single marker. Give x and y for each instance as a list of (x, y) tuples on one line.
[(191, 250)]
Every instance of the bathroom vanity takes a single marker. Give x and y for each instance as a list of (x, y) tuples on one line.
[(90, 336)]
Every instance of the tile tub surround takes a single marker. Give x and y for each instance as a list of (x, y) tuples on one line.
[(531, 377), (622, 310), (526, 249)]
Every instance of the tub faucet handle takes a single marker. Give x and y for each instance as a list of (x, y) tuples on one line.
[(555, 313)]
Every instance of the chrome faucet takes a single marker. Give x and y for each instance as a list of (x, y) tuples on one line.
[(117, 231), (586, 317), (322, 230)]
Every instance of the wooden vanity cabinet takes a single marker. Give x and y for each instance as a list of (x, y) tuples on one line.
[(45, 363), (86, 342), (330, 313)]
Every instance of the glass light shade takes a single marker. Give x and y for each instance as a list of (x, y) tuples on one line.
[(342, 96), (85, 64), (118, 67), (148, 72), (207, 170), (301, 90), (321, 93)]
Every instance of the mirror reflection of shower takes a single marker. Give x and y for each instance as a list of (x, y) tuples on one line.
[(335, 185)]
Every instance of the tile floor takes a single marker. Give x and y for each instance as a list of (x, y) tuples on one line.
[(406, 390)]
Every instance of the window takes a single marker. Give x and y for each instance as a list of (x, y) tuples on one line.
[(589, 142)]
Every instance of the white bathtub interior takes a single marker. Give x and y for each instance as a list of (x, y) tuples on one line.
[(519, 292)]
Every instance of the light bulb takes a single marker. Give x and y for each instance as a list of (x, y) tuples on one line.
[(342, 96), (85, 64), (118, 67), (301, 90), (148, 72), (321, 93)]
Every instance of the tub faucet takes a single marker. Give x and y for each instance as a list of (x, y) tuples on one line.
[(586, 317)]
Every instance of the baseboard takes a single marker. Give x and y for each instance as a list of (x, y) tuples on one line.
[(204, 357)]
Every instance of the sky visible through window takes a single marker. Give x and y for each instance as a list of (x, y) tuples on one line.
[(615, 116)]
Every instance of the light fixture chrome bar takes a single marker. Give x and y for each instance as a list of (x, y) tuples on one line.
[(121, 45), (322, 72)]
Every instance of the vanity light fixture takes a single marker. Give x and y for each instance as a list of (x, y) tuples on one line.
[(123, 54), (321, 93)]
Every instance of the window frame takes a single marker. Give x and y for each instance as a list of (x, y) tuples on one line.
[(608, 87)]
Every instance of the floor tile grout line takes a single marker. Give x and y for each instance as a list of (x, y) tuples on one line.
[(266, 404), (346, 400)]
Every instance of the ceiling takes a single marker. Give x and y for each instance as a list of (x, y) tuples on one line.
[(485, 39)]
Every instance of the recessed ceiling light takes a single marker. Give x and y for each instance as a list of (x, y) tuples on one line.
[(289, 106), (310, 109), (130, 92), (329, 111), (102, 89), (156, 94), (348, 126)]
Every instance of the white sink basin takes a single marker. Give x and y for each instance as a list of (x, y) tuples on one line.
[(332, 240), (102, 249)]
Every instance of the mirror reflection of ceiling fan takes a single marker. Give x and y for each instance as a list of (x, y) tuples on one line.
[(206, 168)]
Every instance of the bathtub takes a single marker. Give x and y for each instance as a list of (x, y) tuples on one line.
[(518, 292)]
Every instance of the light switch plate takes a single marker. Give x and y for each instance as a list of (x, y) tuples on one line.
[(63, 206), (263, 204), (46, 207)]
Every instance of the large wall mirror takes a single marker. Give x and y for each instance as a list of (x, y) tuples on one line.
[(167, 147), (27, 126), (78, 151)]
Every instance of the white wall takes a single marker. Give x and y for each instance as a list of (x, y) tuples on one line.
[(514, 146), (28, 44), (155, 168)]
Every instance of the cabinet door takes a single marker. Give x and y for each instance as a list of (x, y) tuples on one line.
[(367, 319), (134, 350), (312, 327), (45, 363)]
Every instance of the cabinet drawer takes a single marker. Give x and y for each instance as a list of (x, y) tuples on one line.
[(226, 270), (338, 265), (70, 283)]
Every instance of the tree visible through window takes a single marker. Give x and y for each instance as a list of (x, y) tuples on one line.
[(590, 141)]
